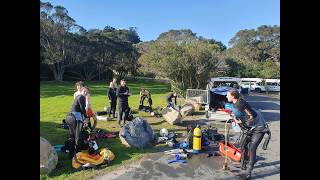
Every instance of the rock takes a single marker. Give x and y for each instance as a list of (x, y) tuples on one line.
[(195, 103), (198, 99), (187, 109), (172, 116), (48, 157), (137, 133)]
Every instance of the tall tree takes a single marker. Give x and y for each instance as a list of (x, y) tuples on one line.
[(56, 38)]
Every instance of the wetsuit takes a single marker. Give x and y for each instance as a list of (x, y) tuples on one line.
[(78, 111), (113, 98), (169, 99), (123, 102), (253, 126), (145, 95)]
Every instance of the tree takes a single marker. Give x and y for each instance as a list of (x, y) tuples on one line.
[(187, 60), (56, 38), (270, 70), (250, 49)]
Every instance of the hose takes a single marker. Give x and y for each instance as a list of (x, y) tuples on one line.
[(225, 165)]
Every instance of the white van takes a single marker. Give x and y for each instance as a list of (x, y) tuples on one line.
[(256, 84), (273, 85)]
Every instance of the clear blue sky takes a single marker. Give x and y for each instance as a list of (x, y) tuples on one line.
[(217, 19)]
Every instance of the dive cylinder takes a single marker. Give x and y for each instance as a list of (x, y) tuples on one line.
[(196, 140)]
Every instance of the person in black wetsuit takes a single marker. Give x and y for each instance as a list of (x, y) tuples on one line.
[(112, 99), (254, 126), (143, 95), (78, 111), (169, 97), (123, 94)]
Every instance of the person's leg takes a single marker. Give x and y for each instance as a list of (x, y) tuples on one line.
[(126, 113), (150, 103), (253, 145), (244, 142), (71, 121), (109, 113), (142, 100), (113, 107), (120, 114)]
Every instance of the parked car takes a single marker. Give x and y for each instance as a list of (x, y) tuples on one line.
[(273, 85), (255, 84)]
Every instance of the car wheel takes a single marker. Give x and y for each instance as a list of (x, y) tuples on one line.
[(258, 90)]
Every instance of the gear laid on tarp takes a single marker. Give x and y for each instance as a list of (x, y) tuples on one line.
[(84, 160)]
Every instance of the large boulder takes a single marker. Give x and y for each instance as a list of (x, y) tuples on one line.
[(187, 109), (171, 115), (48, 157), (137, 133)]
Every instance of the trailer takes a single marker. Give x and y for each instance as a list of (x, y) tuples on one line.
[(214, 97)]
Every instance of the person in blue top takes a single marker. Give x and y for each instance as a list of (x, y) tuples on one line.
[(250, 122)]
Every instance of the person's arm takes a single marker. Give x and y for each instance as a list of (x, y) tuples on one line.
[(250, 115), (168, 97), (87, 102), (128, 92), (175, 100), (118, 93), (109, 94)]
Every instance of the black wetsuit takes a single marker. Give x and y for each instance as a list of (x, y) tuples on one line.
[(169, 99), (252, 138), (79, 104), (144, 96), (123, 102), (113, 97)]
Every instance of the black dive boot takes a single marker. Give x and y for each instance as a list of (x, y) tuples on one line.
[(248, 172)]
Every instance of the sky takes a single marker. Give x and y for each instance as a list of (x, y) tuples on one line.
[(212, 19)]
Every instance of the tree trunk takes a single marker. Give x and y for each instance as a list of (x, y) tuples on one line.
[(57, 71)]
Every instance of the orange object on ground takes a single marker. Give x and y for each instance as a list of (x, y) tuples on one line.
[(224, 110), (232, 152), (90, 112)]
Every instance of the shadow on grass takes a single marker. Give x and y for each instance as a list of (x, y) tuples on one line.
[(158, 123)]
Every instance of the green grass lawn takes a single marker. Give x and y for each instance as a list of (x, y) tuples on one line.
[(55, 101)]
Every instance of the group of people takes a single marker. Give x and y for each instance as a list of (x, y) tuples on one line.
[(119, 94), (81, 106), (244, 115)]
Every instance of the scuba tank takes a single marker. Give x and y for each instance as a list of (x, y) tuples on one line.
[(196, 140)]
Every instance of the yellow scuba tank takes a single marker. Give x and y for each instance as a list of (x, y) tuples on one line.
[(196, 140)]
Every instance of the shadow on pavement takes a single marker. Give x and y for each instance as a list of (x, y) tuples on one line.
[(267, 164)]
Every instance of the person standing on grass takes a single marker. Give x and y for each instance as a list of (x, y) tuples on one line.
[(122, 93), (78, 109), (89, 112), (112, 99), (78, 86), (169, 97)]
